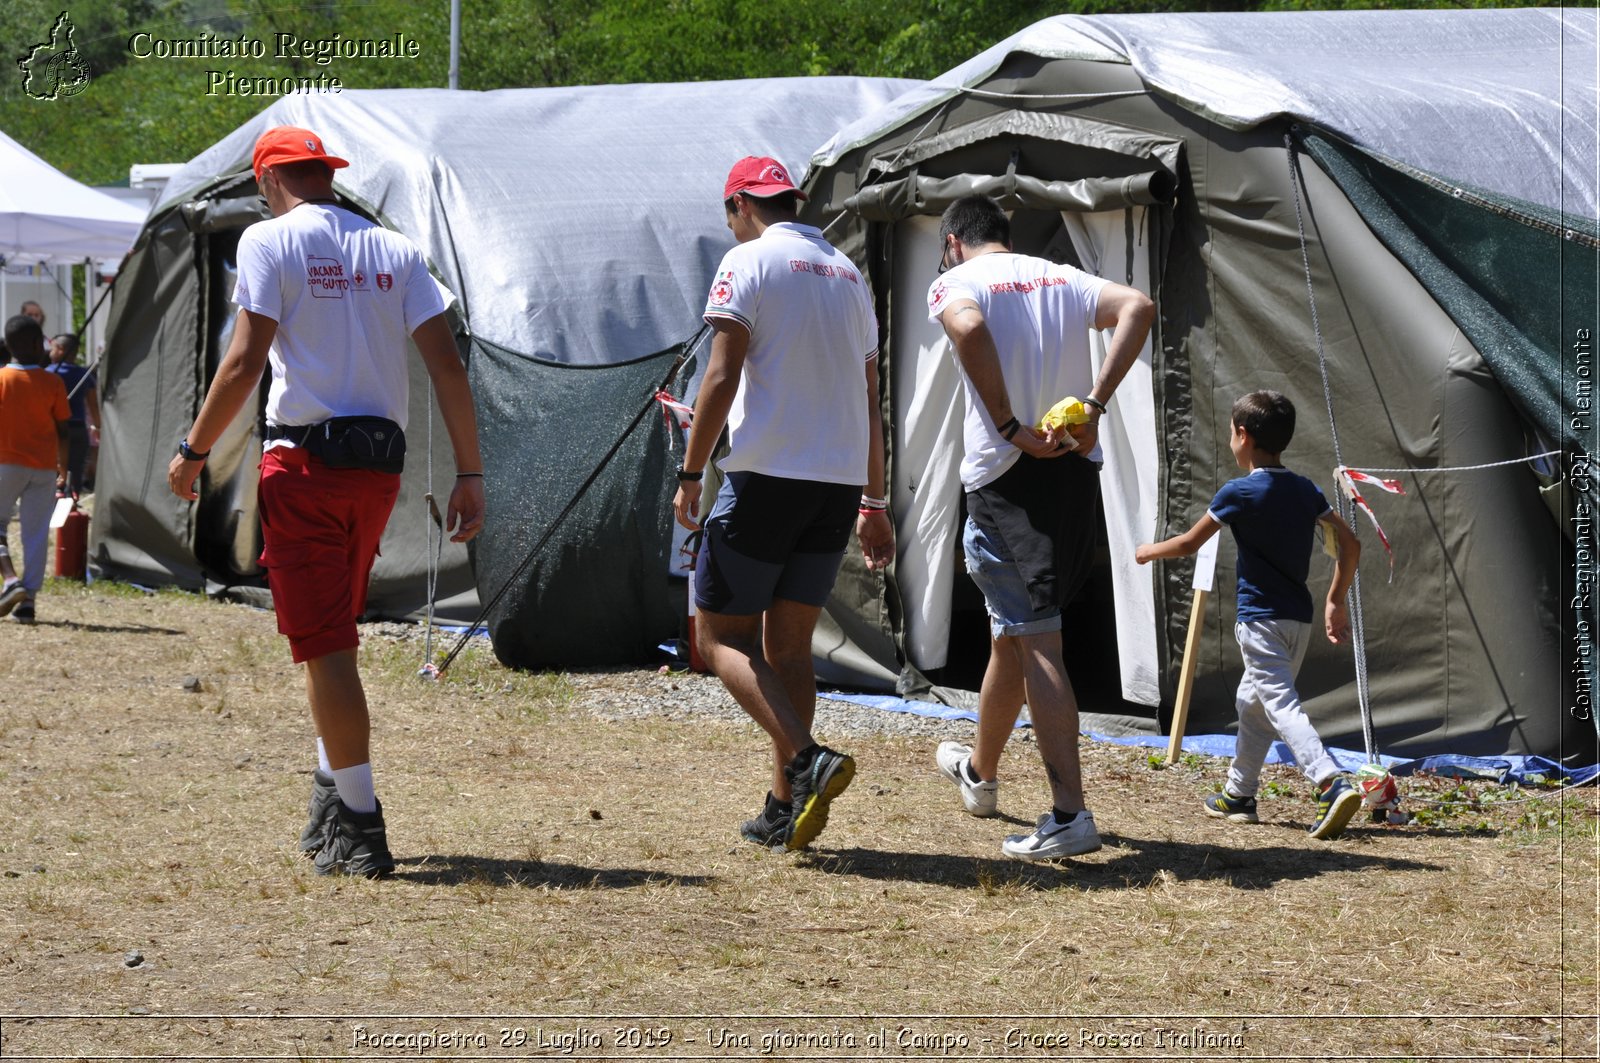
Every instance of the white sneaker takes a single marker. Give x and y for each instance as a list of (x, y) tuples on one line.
[(981, 798), (12, 595), (1051, 839)]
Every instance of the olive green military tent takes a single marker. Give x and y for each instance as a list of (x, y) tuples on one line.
[(1404, 201)]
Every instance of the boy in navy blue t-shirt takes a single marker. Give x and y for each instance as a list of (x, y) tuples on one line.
[(1273, 513)]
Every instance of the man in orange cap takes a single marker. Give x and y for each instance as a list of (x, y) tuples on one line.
[(328, 299), (796, 339)]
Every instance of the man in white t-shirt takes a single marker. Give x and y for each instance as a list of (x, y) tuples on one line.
[(329, 300), (796, 339), (1019, 327)]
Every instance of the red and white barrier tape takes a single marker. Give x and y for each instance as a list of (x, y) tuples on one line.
[(1347, 478), (675, 412)]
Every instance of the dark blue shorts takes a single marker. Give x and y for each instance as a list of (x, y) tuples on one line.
[(767, 538)]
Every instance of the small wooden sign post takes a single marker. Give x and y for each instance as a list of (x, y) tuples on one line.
[(1205, 570)]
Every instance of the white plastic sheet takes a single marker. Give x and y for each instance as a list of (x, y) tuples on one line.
[(577, 225)]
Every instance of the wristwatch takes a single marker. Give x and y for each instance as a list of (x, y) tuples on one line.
[(685, 476), (188, 453)]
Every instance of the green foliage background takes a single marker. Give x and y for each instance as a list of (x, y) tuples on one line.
[(157, 110)]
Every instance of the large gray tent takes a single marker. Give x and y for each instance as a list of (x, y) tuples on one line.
[(578, 228), (1446, 171)]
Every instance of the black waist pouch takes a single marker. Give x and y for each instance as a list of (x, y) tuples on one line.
[(359, 443)]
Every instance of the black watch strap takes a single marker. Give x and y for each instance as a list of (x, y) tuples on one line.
[(685, 476), (188, 453)]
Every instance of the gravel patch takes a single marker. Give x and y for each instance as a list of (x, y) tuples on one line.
[(634, 693), (686, 695)]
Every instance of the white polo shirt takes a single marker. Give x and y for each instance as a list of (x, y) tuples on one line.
[(1040, 314), (801, 409), (346, 295)]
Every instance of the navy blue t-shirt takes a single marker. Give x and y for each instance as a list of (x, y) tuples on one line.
[(1273, 513), (70, 374)]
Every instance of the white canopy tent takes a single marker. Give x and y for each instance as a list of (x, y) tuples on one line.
[(47, 220), (44, 214)]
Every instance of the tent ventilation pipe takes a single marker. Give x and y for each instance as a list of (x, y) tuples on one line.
[(915, 194), (221, 215)]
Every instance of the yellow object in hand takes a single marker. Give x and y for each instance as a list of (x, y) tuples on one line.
[(1069, 411)]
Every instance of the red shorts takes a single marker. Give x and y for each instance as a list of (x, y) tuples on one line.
[(320, 529)]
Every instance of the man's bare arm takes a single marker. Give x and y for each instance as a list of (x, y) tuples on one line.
[(718, 387), (237, 378), (437, 346)]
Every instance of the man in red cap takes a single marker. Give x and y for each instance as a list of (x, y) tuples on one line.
[(796, 339), (329, 299)]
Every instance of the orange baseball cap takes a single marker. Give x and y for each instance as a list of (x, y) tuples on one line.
[(287, 143)]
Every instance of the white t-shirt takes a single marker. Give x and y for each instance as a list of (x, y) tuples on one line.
[(1040, 314), (801, 408), (346, 295)]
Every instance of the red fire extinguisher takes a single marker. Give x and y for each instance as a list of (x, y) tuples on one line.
[(72, 545)]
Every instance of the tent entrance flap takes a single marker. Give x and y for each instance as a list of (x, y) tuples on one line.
[(1096, 195), (944, 629)]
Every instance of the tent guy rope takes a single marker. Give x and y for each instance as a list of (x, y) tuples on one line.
[(1358, 633)]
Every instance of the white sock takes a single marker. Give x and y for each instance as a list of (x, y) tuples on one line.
[(322, 757), (355, 787)]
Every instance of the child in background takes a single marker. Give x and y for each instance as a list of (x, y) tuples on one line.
[(83, 432), (1273, 513), (33, 454)]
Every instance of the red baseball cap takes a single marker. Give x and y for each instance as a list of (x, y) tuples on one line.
[(759, 176), (287, 143)]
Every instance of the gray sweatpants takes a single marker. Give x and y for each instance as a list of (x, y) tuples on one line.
[(33, 492), (1269, 705)]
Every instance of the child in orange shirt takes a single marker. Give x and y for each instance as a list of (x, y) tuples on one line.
[(33, 454)]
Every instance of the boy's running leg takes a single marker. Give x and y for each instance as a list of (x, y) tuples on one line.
[(1273, 652), (1254, 739)]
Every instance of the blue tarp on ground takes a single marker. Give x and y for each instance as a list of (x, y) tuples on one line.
[(1503, 770)]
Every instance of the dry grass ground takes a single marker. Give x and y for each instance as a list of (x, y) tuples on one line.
[(558, 866)]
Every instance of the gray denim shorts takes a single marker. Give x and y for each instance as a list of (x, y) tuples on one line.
[(1005, 594)]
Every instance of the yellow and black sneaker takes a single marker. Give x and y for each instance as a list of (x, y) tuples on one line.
[(816, 776), (1336, 803), (1224, 805)]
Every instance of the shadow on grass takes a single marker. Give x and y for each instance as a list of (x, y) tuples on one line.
[(532, 874), (1134, 863), (107, 629)]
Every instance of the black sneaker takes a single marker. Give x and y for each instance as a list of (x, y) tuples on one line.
[(355, 843), (815, 781), (12, 594), (324, 796), (771, 827), (1336, 803), (23, 614), (1224, 805)]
